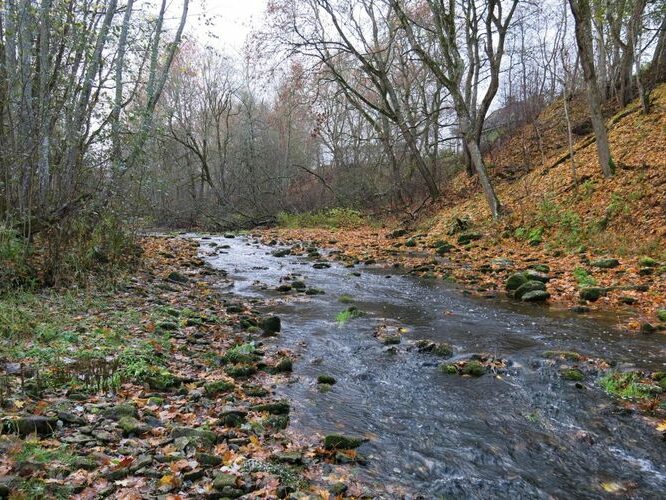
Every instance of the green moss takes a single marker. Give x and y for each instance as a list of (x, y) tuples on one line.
[(348, 314), (326, 379), (583, 278), (345, 299), (573, 374), (243, 353), (473, 369), (218, 387)]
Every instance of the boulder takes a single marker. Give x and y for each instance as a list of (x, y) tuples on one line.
[(529, 286), (514, 281)]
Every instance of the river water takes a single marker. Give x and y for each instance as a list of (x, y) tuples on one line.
[(525, 434)]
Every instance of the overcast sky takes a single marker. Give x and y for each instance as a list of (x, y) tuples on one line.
[(232, 21)]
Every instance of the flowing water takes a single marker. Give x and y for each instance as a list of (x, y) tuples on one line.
[(526, 434)]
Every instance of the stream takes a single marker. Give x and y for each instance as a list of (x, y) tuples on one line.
[(526, 434)]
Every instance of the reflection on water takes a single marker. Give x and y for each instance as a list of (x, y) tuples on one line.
[(526, 434)]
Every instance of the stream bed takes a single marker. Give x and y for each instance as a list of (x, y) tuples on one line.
[(526, 434)]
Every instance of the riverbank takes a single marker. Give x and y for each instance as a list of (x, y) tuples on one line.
[(159, 384), (633, 288)]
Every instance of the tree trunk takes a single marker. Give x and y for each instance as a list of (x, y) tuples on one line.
[(488, 191), (582, 17)]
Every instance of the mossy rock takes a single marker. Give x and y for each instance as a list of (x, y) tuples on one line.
[(536, 296), (281, 253), (573, 374), (438, 349), (340, 442), (284, 365), (241, 370), (592, 293), (528, 286), (277, 422), (568, 355), (218, 387), (397, 233), (326, 379), (661, 315), (391, 339), (166, 326), (233, 417), (276, 408), (473, 369), (120, 410), (176, 277), (444, 248), (411, 242), (515, 281), (534, 275), (542, 268), (131, 425), (271, 324), (605, 263), (298, 285), (314, 291), (467, 238), (200, 437), (449, 369), (648, 262)]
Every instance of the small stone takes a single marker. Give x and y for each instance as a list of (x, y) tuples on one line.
[(120, 410), (647, 328), (233, 417), (200, 436), (281, 253), (177, 277)]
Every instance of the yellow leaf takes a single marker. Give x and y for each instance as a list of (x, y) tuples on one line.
[(19, 404), (661, 426), (611, 487)]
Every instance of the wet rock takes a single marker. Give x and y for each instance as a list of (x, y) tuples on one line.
[(592, 293), (31, 424), (605, 263), (326, 379), (528, 286), (514, 281), (70, 418), (276, 408), (579, 309), (391, 339), (271, 324), (298, 285), (283, 288), (647, 327), (567, 355), (340, 442), (281, 253), (321, 265), (536, 296), (314, 291)]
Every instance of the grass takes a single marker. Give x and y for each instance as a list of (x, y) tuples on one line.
[(627, 385), (334, 218), (348, 314), (583, 277), (345, 299), (242, 353)]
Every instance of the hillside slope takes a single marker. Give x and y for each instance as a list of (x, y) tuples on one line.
[(551, 220)]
